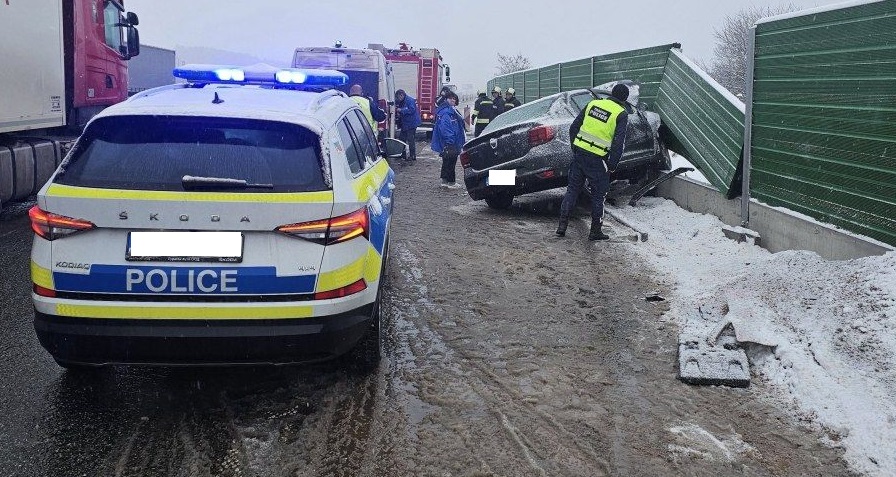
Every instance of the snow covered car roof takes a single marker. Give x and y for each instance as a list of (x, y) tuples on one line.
[(313, 110)]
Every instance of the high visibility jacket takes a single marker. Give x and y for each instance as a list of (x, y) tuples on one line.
[(364, 103), (598, 126), (483, 110)]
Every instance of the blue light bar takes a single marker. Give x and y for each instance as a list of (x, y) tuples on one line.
[(260, 74)]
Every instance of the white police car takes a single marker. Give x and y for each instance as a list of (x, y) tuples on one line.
[(234, 218)]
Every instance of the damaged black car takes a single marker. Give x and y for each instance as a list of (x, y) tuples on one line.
[(527, 149)]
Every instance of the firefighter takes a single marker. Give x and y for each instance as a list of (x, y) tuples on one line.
[(598, 134), (483, 112), (510, 100), (497, 101), (372, 113)]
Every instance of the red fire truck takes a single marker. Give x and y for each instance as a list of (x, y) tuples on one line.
[(421, 74)]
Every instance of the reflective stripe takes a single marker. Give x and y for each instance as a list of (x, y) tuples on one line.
[(41, 276), (370, 181), (341, 277), (147, 311), (482, 120), (593, 139), (486, 103), (59, 190)]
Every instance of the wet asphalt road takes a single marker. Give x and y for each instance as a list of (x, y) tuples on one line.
[(502, 359)]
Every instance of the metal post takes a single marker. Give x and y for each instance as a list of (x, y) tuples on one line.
[(748, 131), (591, 79), (559, 70)]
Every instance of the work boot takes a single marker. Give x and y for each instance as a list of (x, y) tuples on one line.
[(561, 227), (596, 233)]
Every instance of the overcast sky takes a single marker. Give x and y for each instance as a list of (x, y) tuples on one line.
[(468, 33)]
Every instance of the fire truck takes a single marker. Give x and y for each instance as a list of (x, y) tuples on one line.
[(421, 74), (64, 61)]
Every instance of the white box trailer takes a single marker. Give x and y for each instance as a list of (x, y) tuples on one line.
[(152, 68), (32, 71)]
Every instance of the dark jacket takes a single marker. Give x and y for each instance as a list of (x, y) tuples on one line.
[(408, 114), (448, 132), (498, 105), (511, 103), (616, 147), (484, 108)]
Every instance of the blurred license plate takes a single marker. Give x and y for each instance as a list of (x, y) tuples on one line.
[(185, 246), (499, 177)]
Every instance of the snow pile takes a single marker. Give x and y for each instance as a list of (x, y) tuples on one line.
[(822, 333)]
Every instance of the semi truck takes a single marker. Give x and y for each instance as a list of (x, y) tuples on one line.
[(421, 73), (65, 61), (151, 69)]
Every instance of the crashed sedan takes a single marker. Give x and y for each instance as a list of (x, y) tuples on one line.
[(527, 149)]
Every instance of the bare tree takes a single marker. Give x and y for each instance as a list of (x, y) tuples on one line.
[(729, 62), (509, 64)]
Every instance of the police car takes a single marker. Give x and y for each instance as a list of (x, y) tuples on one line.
[(240, 217)]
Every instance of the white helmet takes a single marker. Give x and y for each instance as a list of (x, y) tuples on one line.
[(511, 91), (497, 89)]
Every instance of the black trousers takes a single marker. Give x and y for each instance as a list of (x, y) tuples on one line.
[(449, 163), (479, 128), (409, 136), (593, 169)]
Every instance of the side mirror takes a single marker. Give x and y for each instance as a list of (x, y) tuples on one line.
[(133, 43), (132, 19), (394, 147), (447, 73)]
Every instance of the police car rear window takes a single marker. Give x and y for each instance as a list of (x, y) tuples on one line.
[(157, 152)]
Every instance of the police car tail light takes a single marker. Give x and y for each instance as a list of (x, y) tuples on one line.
[(330, 231), (356, 287), (347, 227), (465, 159), (540, 135), (51, 226)]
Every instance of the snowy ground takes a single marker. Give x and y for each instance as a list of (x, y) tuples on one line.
[(820, 335)]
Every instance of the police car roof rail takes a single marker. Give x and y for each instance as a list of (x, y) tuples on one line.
[(149, 92), (324, 96)]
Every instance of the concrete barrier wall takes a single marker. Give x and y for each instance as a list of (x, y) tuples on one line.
[(780, 229)]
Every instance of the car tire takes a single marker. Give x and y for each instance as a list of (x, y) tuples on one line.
[(500, 201), (368, 352)]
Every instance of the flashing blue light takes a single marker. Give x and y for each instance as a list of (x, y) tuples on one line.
[(261, 75), (286, 76), (230, 74)]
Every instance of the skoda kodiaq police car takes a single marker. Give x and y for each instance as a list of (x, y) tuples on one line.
[(235, 218)]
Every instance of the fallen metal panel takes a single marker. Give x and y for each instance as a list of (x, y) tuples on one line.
[(705, 122), (824, 117), (644, 66)]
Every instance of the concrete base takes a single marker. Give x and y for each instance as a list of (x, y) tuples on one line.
[(700, 363), (779, 228)]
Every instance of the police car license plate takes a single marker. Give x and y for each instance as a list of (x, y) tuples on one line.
[(224, 247)]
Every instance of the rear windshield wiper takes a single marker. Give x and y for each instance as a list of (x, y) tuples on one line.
[(193, 182)]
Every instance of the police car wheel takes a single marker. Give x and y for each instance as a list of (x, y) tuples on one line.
[(501, 200)]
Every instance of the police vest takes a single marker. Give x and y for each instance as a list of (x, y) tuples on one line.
[(364, 103), (598, 127)]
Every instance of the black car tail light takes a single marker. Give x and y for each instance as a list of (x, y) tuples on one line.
[(540, 135), (465, 159)]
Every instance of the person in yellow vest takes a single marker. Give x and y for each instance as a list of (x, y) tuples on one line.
[(598, 140), (373, 113)]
